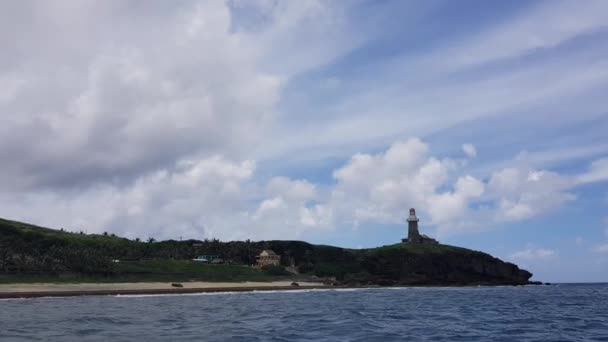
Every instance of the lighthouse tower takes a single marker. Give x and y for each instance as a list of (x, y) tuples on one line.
[(413, 235)]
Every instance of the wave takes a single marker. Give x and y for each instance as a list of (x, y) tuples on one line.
[(228, 292)]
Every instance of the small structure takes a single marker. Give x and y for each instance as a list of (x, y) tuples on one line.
[(413, 235), (206, 258), (268, 257)]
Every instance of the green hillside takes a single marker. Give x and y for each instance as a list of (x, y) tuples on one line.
[(30, 252)]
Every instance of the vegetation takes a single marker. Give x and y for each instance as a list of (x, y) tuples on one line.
[(275, 270), (29, 252)]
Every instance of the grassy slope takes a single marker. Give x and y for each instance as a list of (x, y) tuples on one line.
[(30, 228), (192, 270), (155, 270), (365, 265), (132, 270)]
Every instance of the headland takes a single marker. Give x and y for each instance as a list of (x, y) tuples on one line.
[(73, 263)]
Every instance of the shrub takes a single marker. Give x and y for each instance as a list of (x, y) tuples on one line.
[(275, 270)]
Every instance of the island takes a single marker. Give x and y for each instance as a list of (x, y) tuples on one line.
[(103, 263)]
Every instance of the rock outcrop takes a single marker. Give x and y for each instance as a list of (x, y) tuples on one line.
[(438, 265)]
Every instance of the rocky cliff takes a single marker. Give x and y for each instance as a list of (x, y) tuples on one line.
[(437, 265)]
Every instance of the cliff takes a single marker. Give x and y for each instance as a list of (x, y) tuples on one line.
[(438, 265), (41, 252)]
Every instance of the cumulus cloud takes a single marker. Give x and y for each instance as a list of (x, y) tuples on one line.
[(150, 126), (534, 254), (291, 208), (119, 102), (219, 197), (100, 97), (194, 198), (523, 193), (380, 187), (147, 126), (211, 197), (469, 150)]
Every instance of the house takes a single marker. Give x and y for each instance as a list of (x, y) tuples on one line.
[(268, 257)]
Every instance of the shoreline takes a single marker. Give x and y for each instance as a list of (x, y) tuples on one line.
[(25, 291), (177, 291), (13, 291)]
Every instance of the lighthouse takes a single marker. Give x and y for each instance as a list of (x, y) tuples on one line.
[(413, 235)]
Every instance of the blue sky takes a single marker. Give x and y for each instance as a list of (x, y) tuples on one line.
[(316, 120)]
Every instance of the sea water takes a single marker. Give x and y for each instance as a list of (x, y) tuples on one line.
[(525, 313)]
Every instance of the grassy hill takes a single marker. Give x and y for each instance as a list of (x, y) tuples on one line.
[(30, 252)]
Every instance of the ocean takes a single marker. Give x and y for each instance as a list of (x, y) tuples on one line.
[(526, 313)]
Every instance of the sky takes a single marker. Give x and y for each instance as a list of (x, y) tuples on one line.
[(314, 120)]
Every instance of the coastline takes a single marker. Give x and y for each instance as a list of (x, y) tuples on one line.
[(24, 291), (14, 291)]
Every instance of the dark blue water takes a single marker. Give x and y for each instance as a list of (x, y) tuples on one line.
[(531, 313)]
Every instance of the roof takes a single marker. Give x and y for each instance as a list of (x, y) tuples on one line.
[(267, 252)]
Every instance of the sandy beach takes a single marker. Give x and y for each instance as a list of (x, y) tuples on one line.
[(78, 289)]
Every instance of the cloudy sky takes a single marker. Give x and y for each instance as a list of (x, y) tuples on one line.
[(316, 120)]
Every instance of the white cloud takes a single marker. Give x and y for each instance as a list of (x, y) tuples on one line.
[(381, 187), (297, 190), (10, 85), (210, 197), (449, 209), (543, 26), (178, 85), (416, 95), (218, 197), (183, 80), (598, 171), (291, 209), (469, 150), (523, 193), (534, 254), (152, 128), (523, 93), (303, 34), (603, 249), (560, 155)]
